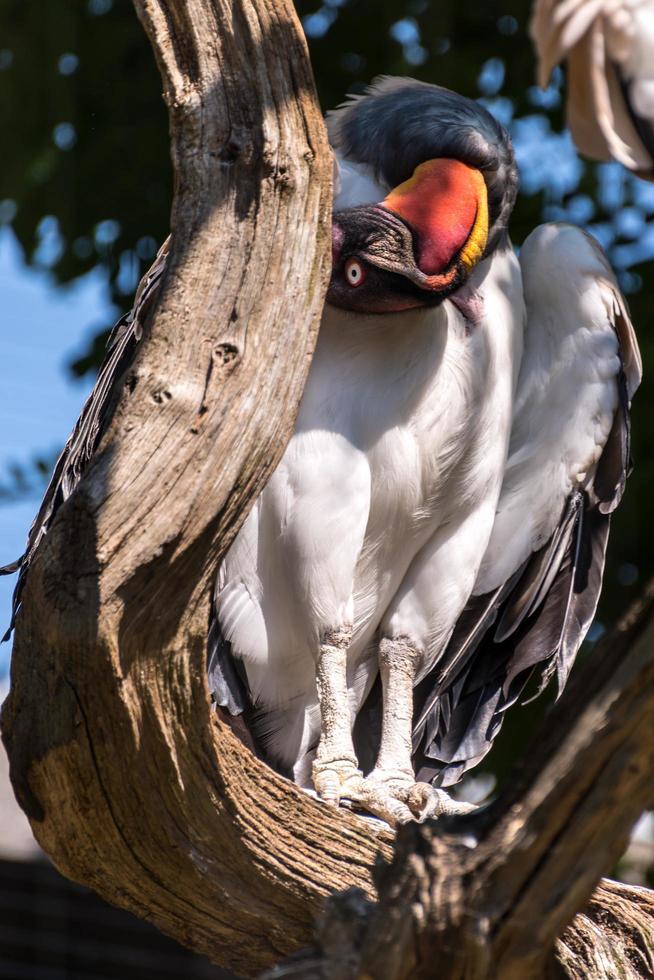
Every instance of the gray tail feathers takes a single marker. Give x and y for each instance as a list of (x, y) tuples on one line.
[(226, 678)]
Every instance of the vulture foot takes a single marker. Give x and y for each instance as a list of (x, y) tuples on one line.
[(331, 778), (398, 799)]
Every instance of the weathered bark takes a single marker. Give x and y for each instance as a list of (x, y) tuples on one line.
[(132, 785), (612, 938)]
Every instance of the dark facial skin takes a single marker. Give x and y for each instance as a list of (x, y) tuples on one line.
[(382, 292), (373, 264)]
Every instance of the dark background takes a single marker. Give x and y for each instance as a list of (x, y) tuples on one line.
[(85, 144)]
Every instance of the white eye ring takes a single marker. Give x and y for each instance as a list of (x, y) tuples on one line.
[(354, 272)]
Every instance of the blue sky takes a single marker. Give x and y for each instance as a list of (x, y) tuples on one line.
[(42, 327)]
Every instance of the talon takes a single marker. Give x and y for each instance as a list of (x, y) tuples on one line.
[(327, 787), (425, 801), (380, 797), (420, 800), (330, 777), (398, 799)]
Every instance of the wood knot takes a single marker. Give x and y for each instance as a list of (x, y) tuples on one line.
[(160, 396), (280, 174), (234, 145), (224, 354), (230, 151), (283, 178), (224, 358)]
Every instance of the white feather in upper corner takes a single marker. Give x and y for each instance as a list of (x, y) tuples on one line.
[(609, 48), (577, 340)]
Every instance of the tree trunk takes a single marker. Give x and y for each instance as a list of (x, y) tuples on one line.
[(131, 783)]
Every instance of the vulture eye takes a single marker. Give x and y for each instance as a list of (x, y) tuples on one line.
[(354, 272)]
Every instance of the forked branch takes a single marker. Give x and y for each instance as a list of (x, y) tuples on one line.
[(132, 785)]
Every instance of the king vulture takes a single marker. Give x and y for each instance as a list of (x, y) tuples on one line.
[(435, 531)]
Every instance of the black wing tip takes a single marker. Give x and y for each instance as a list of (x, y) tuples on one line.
[(13, 566)]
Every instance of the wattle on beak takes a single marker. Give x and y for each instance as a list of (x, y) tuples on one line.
[(428, 233), (445, 203)]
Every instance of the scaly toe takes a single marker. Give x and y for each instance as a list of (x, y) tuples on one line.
[(330, 778), (378, 799), (397, 798), (426, 801)]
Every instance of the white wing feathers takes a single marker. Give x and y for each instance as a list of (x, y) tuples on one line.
[(578, 340), (539, 583)]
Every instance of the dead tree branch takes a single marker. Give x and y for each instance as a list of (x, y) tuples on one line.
[(130, 782)]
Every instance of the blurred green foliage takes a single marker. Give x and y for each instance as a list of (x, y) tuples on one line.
[(86, 176)]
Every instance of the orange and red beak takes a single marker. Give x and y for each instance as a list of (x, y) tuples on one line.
[(445, 203), (417, 246)]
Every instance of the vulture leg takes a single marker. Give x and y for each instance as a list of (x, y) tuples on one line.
[(336, 762), (398, 660), (391, 790)]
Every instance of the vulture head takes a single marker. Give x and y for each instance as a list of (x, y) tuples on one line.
[(452, 181)]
